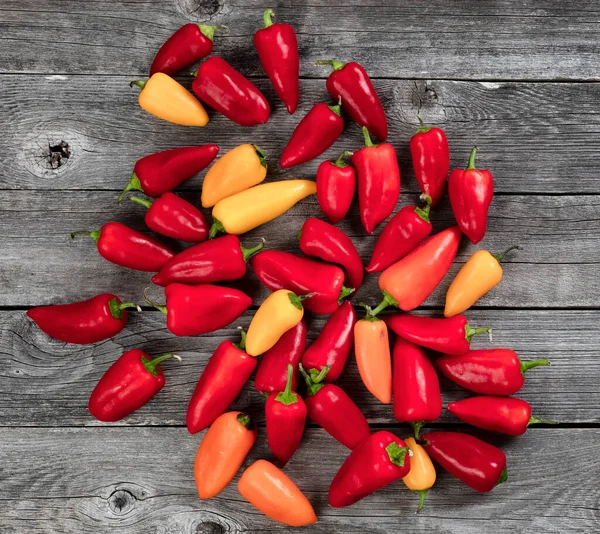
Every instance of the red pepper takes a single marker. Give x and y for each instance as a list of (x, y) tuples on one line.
[(412, 279), (401, 235), (285, 419), (277, 48), (224, 376), (271, 376), (216, 260), (84, 322), (471, 192), (478, 464), (417, 397), (501, 414), (488, 372), (431, 160), (336, 182), (196, 310), (351, 83), (325, 241), (379, 460), (127, 385), (449, 336), (174, 217), (315, 133), (159, 173), (229, 92), (332, 348), (129, 248), (188, 44), (378, 182), (282, 270), (331, 408)]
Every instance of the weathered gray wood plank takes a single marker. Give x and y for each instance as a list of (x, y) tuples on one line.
[(44, 382), (465, 39), (138, 480), (556, 268), (530, 135)]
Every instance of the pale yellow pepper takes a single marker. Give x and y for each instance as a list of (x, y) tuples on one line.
[(281, 311), (481, 273), (422, 475), (244, 211), (239, 169), (167, 99)]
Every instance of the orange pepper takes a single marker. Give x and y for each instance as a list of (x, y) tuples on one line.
[(421, 476), (372, 349), (167, 99), (222, 452), (238, 170), (481, 273), (270, 491)]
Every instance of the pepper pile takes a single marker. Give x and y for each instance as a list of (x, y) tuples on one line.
[(412, 264)]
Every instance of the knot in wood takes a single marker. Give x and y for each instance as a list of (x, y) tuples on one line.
[(121, 502), (201, 10), (209, 527)]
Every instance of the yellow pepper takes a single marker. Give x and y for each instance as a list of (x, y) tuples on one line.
[(481, 273), (281, 311), (259, 204), (421, 476), (236, 171), (167, 99)]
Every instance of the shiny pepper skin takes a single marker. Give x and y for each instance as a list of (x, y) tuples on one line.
[(336, 183), (422, 475)]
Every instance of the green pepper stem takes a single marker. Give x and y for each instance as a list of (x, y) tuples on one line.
[(245, 420), (500, 257), (422, 495), (142, 202), (249, 252), (242, 343), (367, 137), (388, 300), (470, 332), (424, 211), (267, 17), (396, 453), (337, 65), (471, 164), (208, 31), (261, 155), (525, 366), (94, 234), (140, 83), (216, 227), (337, 108), (133, 185), (503, 477), (312, 388), (117, 308), (536, 421), (151, 365), (342, 160), (318, 376), (287, 396), (157, 306), (345, 292), (422, 127), (417, 429), (296, 300)]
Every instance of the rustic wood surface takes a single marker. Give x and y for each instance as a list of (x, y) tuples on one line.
[(511, 77)]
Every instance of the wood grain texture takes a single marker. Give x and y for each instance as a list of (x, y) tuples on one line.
[(556, 268), (140, 480), (530, 135), (463, 39), (45, 382)]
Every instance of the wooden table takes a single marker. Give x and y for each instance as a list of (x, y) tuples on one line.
[(511, 77)]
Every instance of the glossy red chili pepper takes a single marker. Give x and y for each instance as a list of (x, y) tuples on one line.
[(378, 180), (325, 241), (332, 347), (488, 372), (196, 310), (188, 44), (379, 460), (331, 408), (501, 414), (336, 183), (282, 270), (315, 133), (127, 385), (478, 464), (277, 48), (449, 336), (217, 260), (417, 397), (471, 191), (129, 248), (224, 376), (174, 217), (408, 282), (351, 83), (229, 92), (159, 173), (400, 235), (84, 322), (271, 376), (431, 160), (285, 418)]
